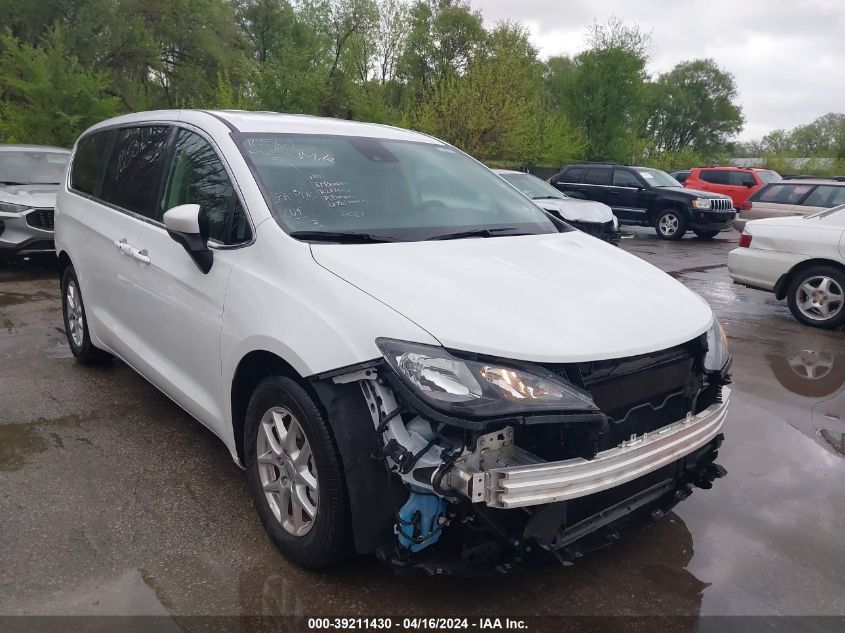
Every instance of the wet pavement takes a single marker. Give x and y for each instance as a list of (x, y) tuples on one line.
[(113, 501)]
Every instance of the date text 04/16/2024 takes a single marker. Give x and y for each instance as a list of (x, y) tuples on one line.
[(413, 624)]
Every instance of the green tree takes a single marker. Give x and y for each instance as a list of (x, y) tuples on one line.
[(693, 106), (47, 95), (606, 91)]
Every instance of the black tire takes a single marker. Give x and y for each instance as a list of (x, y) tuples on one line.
[(662, 227), (705, 235), (796, 296), (329, 540), (84, 350)]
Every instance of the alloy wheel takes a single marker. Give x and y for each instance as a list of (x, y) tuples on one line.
[(669, 224), (820, 298), (287, 471), (75, 314)]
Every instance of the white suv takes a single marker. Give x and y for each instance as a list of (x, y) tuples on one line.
[(319, 294)]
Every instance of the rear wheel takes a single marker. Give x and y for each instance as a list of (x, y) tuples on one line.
[(295, 474), (706, 235), (670, 225), (76, 322), (816, 296)]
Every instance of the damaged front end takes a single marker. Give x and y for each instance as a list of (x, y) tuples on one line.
[(493, 463)]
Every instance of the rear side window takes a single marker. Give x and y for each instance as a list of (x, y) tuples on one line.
[(597, 176), (90, 160), (624, 178), (783, 194), (741, 178), (135, 169), (715, 176), (826, 196), (572, 174), (197, 176)]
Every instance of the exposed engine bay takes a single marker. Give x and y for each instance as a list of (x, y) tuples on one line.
[(483, 492)]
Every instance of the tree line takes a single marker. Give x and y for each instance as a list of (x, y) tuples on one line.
[(430, 65)]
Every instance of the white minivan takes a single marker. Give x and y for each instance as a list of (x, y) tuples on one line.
[(405, 354)]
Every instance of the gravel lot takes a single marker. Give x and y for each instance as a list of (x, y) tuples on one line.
[(113, 501)]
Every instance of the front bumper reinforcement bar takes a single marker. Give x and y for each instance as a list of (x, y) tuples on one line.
[(505, 476)]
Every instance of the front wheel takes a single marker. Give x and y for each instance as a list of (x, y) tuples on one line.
[(816, 296), (706, 235), (670, 225), (295, 474)]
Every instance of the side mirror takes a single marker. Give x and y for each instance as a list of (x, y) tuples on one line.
[(187, 224)]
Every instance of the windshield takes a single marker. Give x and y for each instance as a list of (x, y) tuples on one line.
[(532, 186), (657, 178), (768, 176), (31, 167), (398, 189)]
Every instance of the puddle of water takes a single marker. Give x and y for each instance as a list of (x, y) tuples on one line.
[(19, 441), (14, 298)]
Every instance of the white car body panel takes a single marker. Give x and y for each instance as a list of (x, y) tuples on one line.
[(545, 298), (578, 210), (778, 244)]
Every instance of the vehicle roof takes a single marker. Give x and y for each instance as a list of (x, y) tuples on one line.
[(809, 181), (513, 172), (274, 123), (733, 168), (11, 147)]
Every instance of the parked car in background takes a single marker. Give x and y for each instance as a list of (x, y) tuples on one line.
[(29, 179), (593, 218), (648, 197), (680, 176), (800, 259), (738, 183), (791, 198), (400, 349)]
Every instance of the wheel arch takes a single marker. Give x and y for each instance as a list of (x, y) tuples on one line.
[(254, 367), (345, 410), (783, 282), (664, 204), (64, 263)]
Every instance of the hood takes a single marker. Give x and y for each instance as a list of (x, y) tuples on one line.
[(697, 193), (38, 196), (563, 297), (577, 210)]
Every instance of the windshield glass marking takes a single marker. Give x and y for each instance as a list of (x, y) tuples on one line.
[(411, 190)]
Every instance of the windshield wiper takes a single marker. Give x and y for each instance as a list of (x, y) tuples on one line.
[(343, 237), (11, 182), (546, 197), (475, 233)]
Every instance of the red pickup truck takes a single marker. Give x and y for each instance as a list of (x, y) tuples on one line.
[(736, 182)]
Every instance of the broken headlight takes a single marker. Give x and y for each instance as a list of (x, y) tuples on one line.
[(718, 357), (477, 388)]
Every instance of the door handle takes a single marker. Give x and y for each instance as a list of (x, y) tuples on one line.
[(140, 256), (127, 249), (123, 246)]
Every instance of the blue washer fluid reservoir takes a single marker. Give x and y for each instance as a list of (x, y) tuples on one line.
[(419, 520)]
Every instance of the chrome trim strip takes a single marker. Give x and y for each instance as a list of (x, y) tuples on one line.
[(534, 484)]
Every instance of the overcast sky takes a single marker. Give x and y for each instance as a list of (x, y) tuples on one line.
[(788, 56)]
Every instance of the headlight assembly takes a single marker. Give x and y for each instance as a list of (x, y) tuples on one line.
[(717, 357), (476, 388), (700, 203)]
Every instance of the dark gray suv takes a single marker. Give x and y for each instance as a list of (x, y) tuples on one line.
[(29, 178)]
